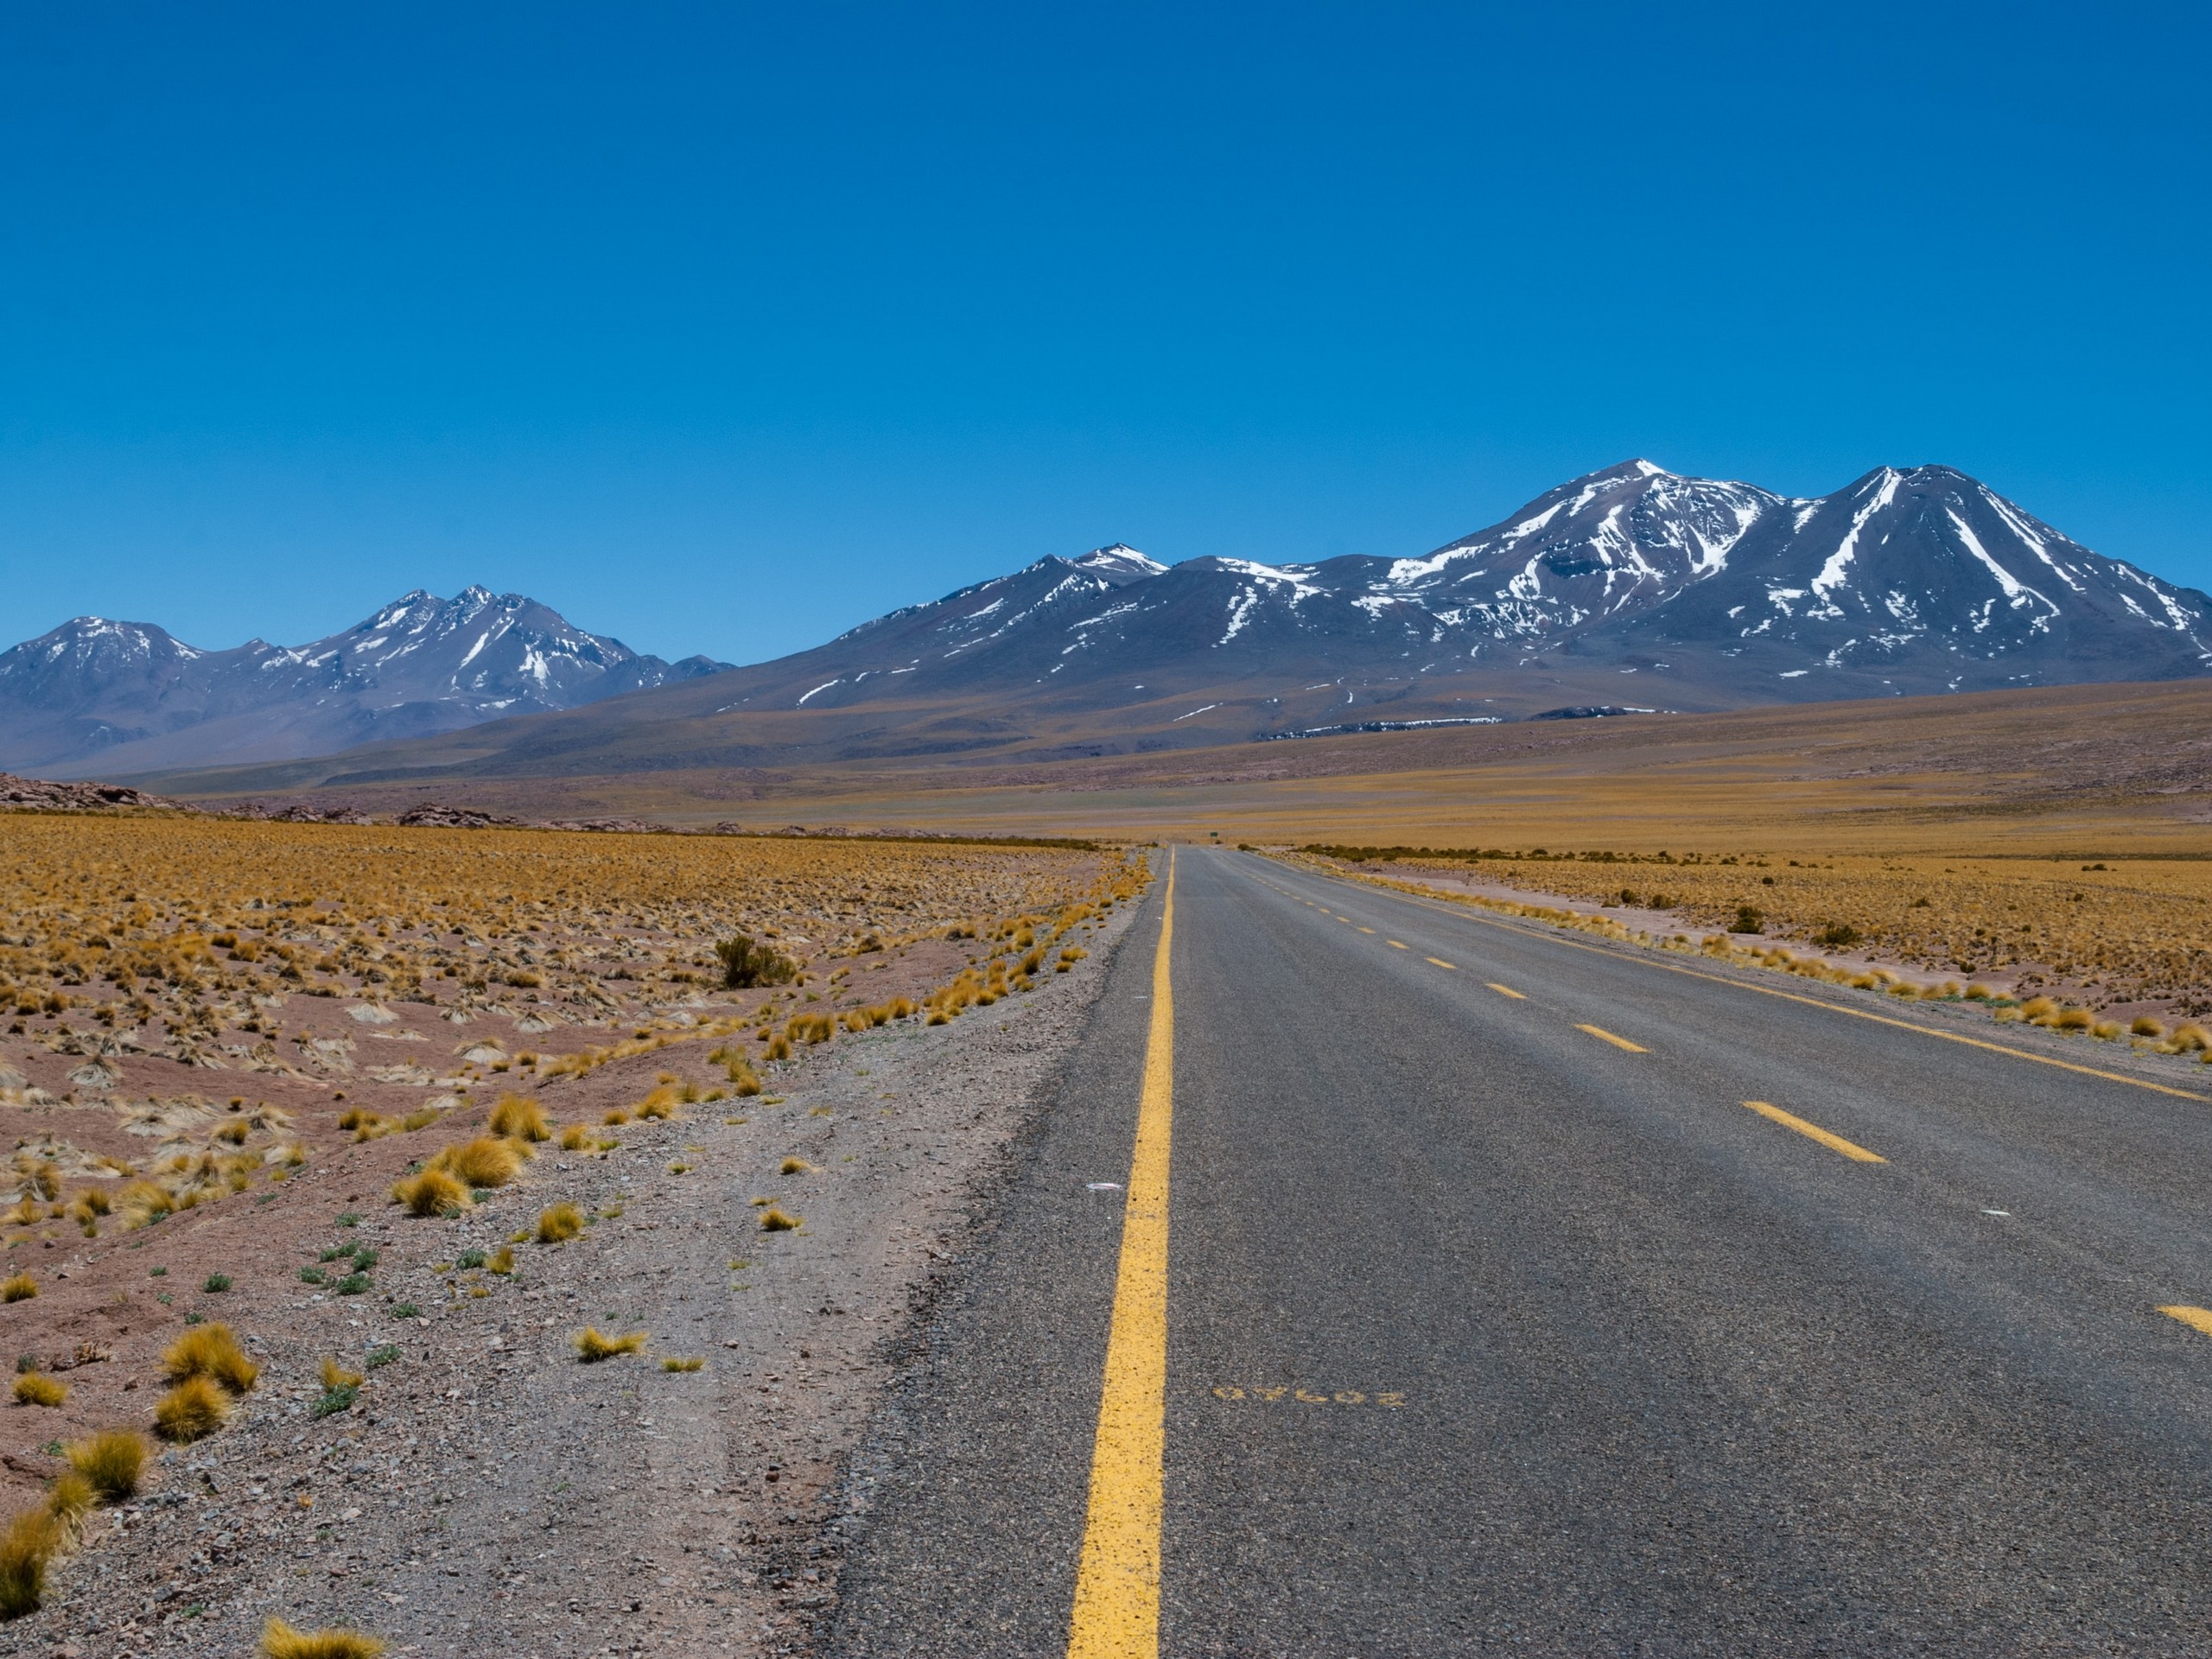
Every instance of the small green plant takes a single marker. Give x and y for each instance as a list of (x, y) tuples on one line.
[(217, 1283), (352, 1285), (312, 1275), (470, 1259), (157, 1273), (384, 1356), (406, 1310)]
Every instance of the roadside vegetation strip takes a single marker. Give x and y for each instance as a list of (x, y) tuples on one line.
[(1604, 1036), (1461, 909), (1116, 1611), (1857, 1154)]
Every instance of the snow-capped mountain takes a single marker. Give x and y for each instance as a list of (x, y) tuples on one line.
[(1719, 594), (128, 696), (1632, 588)]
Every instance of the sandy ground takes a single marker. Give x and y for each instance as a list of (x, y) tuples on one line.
[(486, 1492)]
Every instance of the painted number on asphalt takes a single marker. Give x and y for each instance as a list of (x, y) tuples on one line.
[(1311, 1397)]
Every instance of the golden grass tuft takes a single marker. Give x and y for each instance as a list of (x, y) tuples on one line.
[(28, 1544), (336, 1376), (518, 1117), (616, 1115), (432, 1192), (210, 1350), (37, 1389), (19, 1289), (486, 1161), (69, 1498), (591, 1346), (191, 1411), (661, 1104), (280, 1641), (773, 1220), (145, 1202), (682, 1364), (796, 1167), (502, 1263), (560, 1222), (2144, 1025), (577, 1138), (112, 1461), (421, 1119)]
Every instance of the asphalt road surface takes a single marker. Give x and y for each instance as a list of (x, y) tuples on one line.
[(1496, 1320)]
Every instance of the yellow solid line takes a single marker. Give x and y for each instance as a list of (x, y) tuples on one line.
[(1116, 1613), (1832, 1142), (1525, 932), (1394, 945), (2198, 1319), (1440, 963), (1604, 1036), (1507, 990)]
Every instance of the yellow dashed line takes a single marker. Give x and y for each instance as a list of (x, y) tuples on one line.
[(1507, 990), (1440, 963), (2198, 1319), (1396, 944), (1814, 1131), (1604, 1036), (1367, 930)]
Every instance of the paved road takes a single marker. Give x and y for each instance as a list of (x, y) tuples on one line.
[(1487, 1332)]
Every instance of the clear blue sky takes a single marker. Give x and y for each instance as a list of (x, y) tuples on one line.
[(721, 327)]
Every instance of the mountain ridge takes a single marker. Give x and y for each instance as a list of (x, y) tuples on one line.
[(96, 692), (1628, 589)]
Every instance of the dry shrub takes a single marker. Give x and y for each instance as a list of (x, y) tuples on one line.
[(19, 1289), (614, 1116), (502, 1263), (520, 1118), (421, 1119), (112, 1461), (484, 1161), (144, 1202), (592, 1347), (69, 1498), (682, 1364), (37, 1389), (336, 1376), (2144, 1025), (210, 1350), (562, 1222), (661, 1104), (280, 1641), (576, 1138), (28, 1544), (796, 1167), (191, 1411), (773, 1220), (432, 1192), (2191, 1038)]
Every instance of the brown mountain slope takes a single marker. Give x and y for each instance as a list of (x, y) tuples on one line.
[(2096, 767)]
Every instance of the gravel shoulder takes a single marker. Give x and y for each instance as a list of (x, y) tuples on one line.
[(486, 1492)]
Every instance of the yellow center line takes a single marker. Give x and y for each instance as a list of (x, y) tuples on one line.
[(1396, 944), (2198, 1319), (1814, 1131), (1116, 1613), (1604, 1036), (1507, 990), (1440, 963), (1549, 938), (1367, 930)]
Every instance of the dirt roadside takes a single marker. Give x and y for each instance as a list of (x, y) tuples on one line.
[(486, 1492)]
